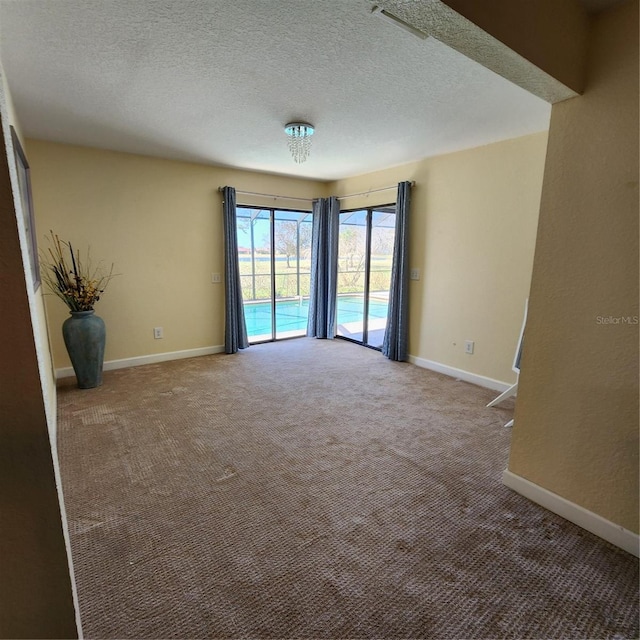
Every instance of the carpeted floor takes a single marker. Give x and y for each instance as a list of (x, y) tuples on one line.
[(312, 488)]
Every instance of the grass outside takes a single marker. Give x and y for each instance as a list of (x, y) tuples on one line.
[(289, 285)]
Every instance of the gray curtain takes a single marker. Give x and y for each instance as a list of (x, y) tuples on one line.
[(235, 330), (324, 268), (396, 335)]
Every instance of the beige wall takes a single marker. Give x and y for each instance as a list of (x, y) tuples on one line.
[(474, 218), (35, 586), (473, 224), (576, 430), (160, 222), (9, 106)]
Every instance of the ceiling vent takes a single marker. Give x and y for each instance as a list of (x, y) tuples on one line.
[(389, 17)]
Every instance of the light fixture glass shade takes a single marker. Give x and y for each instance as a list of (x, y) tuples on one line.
[(299, 139)]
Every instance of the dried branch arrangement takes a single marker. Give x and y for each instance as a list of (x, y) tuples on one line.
[(74, 280)]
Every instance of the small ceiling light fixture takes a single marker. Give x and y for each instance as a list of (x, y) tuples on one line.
[(299, 139), (399, 22)]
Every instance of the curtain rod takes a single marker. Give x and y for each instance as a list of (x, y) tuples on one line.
[(366, 193), (270, 195), (349, 195)]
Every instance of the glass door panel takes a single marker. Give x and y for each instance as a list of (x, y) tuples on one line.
[(274, 255), (292, 244), (254, 256), (304, 264), (365, 255), (352, 258), (382, 236)]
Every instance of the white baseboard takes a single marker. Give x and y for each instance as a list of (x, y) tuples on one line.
[(467, 376), (67, 372), (609, 531)]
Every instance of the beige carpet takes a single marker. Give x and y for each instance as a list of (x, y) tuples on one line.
[(313, 488)]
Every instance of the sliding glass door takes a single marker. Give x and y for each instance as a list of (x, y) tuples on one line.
[(274, 253), (365, 254), (292, 272)]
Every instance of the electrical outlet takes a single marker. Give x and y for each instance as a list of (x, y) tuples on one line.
[(216, 278), (414, 274), (468, 346), (158, 333)]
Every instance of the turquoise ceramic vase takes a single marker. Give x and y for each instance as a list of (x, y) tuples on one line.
[(85, 336)]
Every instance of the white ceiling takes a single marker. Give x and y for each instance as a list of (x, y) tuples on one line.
[(214, 81)]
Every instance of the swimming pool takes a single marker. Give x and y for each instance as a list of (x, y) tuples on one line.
[(291, 315)]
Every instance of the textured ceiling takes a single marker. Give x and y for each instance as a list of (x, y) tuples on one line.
[(215, 81), (438, 19)]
